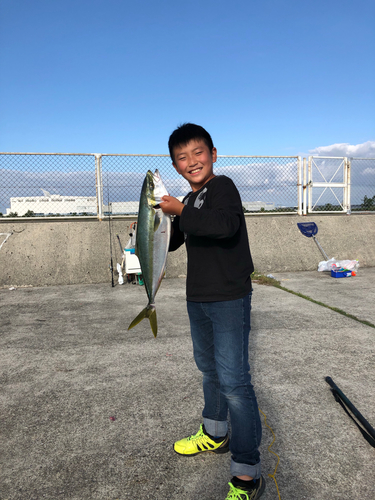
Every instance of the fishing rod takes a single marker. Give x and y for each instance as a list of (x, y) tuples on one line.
[(368, 432), (122, 253), (110, 235)]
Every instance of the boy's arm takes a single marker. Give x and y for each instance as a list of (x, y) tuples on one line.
[(171, 205)]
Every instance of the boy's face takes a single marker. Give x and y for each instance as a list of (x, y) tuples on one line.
[(194, 162)]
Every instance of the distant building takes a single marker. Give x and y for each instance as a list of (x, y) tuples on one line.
[(53, 204), (257, 206), (122, 208)]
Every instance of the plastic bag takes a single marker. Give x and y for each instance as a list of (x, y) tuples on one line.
[(120, 276), (351, 265), (328, 265)]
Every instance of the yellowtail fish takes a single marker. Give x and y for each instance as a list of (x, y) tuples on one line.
[(152, 242)]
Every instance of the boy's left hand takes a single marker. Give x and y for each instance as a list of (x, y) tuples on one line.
[(171, 205)]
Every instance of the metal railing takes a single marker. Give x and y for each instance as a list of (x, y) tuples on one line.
[(68, 184)]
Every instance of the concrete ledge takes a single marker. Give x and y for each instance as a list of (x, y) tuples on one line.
[(63, 252)]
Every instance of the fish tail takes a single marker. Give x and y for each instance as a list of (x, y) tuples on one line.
[(148, 312)]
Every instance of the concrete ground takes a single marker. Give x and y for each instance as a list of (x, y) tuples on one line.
[(90, 410)]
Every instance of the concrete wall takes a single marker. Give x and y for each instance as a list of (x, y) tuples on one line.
[(55, 252), (278, 245)]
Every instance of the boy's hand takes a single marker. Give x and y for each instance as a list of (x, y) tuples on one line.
[(171, 205)]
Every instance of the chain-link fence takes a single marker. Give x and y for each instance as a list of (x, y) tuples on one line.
[(68, 184), (123, 177), (340, 184), (264, 183), (52, 185), (362, 184), (47, 184)]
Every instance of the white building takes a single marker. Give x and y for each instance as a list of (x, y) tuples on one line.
[(54, 204), (256, 206), (122, 208)]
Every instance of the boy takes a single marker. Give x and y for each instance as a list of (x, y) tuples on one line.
[(211, 223)]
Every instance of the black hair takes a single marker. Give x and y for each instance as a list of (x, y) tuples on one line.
[(188, 132)]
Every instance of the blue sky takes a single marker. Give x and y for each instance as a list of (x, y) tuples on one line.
[(266, 77)]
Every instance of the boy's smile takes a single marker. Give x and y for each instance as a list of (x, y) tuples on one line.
[(194, 161)]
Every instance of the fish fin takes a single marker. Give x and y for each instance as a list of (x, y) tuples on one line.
[(157, 221), (153, 322), (150, 313), (138, 319)]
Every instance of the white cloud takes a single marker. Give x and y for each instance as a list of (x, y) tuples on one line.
[(369, 171), (260, 171), (365, 150)]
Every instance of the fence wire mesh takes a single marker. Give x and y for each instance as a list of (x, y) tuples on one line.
[(265, 184), (71, 184), (47, 184), (123, 177), (362, 184)]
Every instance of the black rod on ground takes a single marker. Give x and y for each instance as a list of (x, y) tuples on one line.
[(343, 400)]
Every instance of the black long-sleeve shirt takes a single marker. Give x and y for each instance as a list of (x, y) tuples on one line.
[(213, 227)]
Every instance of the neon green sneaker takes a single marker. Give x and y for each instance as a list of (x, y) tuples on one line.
[(238, 493), (199, 443)]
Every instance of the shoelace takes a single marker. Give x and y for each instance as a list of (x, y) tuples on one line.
[(201, 440), (198, 435), (237, 494)]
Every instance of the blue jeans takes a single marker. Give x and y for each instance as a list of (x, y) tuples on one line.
[(220, 333)]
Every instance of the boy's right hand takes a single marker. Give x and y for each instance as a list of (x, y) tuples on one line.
[(171, 205)]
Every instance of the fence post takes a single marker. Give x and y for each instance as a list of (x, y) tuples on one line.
[(309, 184), (299, 184), (304, 188), (99, 185), (348, 165)]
